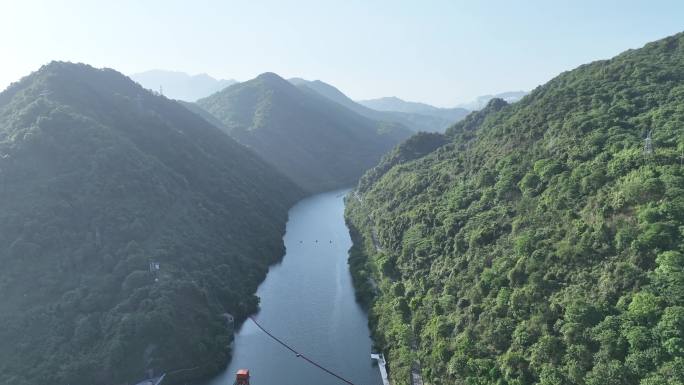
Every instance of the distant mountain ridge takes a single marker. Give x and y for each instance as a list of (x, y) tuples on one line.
[(180, 85), (318, 143), (481, 101), (393, 103), (415, 121), (456, 113)]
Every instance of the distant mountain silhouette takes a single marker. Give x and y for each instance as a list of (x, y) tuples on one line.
[(433, 122), (395, 104), (481, 101), (179, 85)]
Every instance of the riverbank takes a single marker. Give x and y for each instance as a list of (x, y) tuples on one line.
[(366, 260)]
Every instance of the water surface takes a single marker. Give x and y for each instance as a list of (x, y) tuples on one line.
[(308, 301)]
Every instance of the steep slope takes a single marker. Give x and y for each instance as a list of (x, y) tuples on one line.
[(203, 113), (332, 93), (417, 122), (414, 147), (393, 103), (319, 144), (98, 178), (544, 244), (179, 85)]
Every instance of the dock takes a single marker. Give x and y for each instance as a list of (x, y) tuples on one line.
[(381, 365)]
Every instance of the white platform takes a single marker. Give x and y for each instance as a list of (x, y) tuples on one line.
[(381, 365)]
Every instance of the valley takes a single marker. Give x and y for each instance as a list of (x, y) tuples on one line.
[(172, 227)]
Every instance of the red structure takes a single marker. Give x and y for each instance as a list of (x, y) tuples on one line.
[(242, 377)]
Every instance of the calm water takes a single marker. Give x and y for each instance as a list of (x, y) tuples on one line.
[(308, 301)]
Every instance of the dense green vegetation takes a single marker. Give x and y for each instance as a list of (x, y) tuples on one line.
[(543, 244), (98, 177), (414, 147), (319, 144)]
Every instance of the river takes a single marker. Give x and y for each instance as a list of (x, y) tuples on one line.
[(307, 301)]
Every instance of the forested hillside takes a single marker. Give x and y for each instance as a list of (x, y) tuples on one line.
[(545, 243), (319, 144), (414, 147), (98, 178)]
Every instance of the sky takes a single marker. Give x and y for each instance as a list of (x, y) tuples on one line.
[(435, 51)]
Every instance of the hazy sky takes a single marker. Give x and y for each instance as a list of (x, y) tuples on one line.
[(440, 52)]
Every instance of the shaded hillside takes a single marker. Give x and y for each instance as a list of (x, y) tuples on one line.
[(179, 85), (319, 144), (99, 177), (417, 146), (544, 244), (203, 113), (428, 122)]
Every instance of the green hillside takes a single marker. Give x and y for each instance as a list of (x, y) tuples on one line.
[(99, 177), (545, 243), (318, 143), (412, 148)]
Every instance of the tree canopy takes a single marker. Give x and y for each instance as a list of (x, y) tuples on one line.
[(542, 244)]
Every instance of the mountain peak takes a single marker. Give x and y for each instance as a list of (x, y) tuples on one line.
[(67, 68), (319, 143), (496, 104), (270, 76), (56, 65), (72, 80)]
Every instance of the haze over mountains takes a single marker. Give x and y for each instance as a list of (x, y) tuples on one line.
[(414, 115), (98, 178), (415, 121), (184, 87), (456, 113), (179, 85), (481, 101), (395, 104), (318, 143)]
